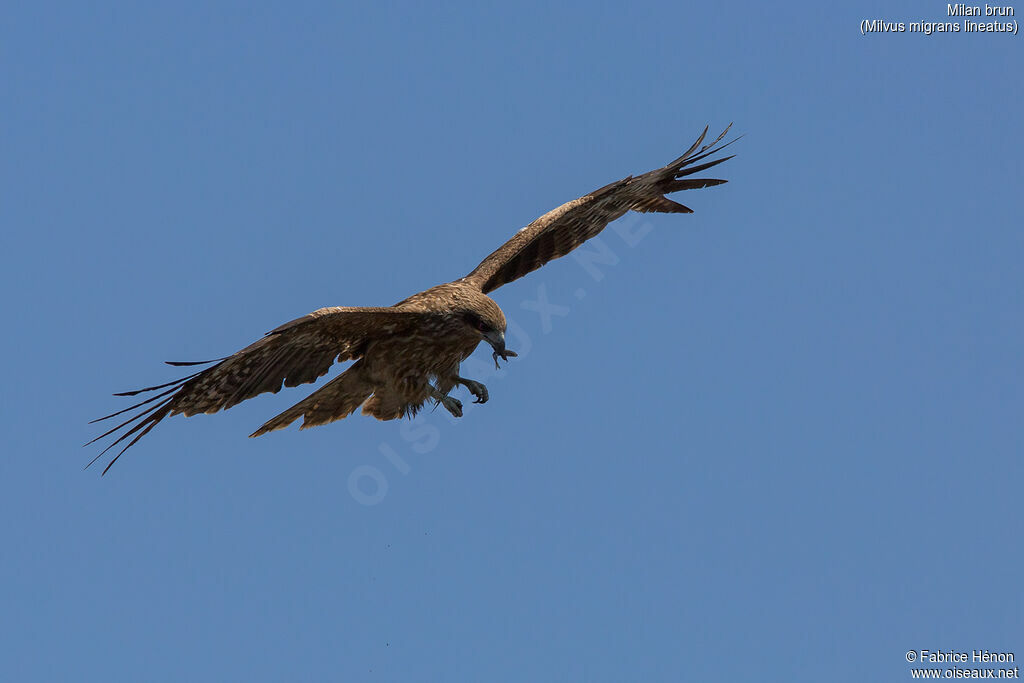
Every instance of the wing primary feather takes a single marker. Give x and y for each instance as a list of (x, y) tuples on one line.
[(692, 184), (693, 147), (160, 386), (123, 436), (685, 158), (704, 154), (141, 403), (702, 167), (661, 205), (152, 423), (184, 363), (718, 139), (714, 142), (127, 422), (148, 423)]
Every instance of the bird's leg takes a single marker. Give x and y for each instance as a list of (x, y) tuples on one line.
[(476, 388), (452, 405)]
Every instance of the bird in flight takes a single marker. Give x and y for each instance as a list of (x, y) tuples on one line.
[(409, 353)]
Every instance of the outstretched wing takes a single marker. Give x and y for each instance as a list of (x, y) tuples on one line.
[(558, 232), (295, 353)]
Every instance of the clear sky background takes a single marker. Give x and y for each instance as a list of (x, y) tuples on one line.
[(777, 439)]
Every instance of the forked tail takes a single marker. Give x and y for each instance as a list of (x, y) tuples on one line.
[(337, 399)]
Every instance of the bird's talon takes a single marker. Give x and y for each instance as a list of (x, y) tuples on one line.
[(452, 405), (478, 390)]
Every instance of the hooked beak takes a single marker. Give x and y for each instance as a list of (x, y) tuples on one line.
[(497, 341)]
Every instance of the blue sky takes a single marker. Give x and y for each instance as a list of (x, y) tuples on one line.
[(777, 439)]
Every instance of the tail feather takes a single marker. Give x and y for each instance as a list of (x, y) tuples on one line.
[(388, 405), (337, 399)]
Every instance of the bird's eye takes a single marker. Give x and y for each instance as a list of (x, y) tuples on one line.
[(482, 326)]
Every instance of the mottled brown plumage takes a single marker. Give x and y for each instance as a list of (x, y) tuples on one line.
[(408, 353)]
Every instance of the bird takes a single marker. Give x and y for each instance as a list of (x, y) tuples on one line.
[(408, 354)]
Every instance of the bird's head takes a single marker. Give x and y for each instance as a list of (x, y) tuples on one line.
[(488, 321)]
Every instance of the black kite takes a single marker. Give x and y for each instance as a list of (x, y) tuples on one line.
[(408, 353)]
